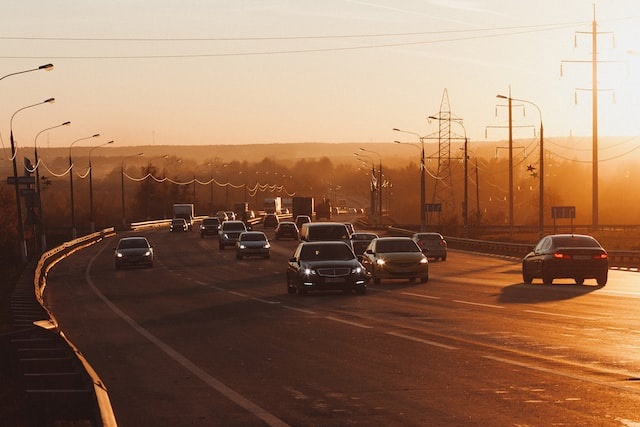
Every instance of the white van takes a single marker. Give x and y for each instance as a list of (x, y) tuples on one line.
[(325, 231)]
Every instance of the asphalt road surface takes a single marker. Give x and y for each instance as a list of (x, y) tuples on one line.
[(203, 339)]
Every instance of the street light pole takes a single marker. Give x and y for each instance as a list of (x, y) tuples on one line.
[(541, 183), (23, 245), (379, 186), (91, 221), (124, 220), (43, 236), (73, 215), (422, 177), (14, 153)]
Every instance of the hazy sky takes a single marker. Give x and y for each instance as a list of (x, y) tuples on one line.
[(278, 71)]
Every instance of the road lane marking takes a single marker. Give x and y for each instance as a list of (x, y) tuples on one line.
[(239, 294), (420, 295), (359, 325), (477, 303), (423, 341), (301, 310), (266, 301), (208, 379), (558, 372), (546, 313)]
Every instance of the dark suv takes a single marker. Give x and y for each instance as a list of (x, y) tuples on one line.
[(210, 226), (229, 233)]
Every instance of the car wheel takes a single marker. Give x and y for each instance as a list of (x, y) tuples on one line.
[(424, 279), (361, 290), (117, 266), (301, 291), (526, 276), (238, 256), (291, 288), (444, 258), (602, 279), (221, 247), (547, 277), (376, 280), (579, 280), (267, 256)]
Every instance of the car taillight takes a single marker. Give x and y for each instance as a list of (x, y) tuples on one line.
[(600, 256), (442, 243), (560, 255)]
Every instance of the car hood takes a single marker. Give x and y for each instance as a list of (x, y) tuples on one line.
[(352, 263), (133, 251), (400, 256)]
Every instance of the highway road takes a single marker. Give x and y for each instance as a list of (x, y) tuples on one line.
[(203, 339)]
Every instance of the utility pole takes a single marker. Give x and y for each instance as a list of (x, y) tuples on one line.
[(594, 112)]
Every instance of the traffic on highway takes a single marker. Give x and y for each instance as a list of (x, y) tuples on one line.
[(209, 338)]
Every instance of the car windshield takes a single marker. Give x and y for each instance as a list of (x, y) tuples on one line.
[(232, 226), (397, 245), (363, 236), (326, 253), (429, 237), (328, 232), (132, 243), (210, 222), (253, 237), (575, 242), (177, 221)]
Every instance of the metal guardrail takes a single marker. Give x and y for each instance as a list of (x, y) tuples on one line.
[(617, 259), (60, 386)]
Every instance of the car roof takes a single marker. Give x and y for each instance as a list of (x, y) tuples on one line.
[(254, 233), (325, 243), (133, 238)]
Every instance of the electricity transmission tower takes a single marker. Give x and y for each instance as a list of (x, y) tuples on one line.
[(443, 192)]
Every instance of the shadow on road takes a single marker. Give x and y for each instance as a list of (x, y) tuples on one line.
[(521, 293)]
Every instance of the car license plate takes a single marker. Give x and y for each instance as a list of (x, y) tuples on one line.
[(334, 280), (582, 257)]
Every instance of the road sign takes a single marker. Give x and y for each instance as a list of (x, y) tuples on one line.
[(22, 180), (433, 207), (558, 212)]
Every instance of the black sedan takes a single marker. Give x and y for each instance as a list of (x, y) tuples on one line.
[(133, 251), (325, 266), (572, 256)]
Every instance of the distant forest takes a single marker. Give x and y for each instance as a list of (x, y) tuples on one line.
[(149, 179)]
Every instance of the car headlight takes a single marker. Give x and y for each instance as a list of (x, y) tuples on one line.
[(243, 247), (357, 270), (266, 246), (380, 261), (119, 255), (147, 253), (308, 272), (423, 260)]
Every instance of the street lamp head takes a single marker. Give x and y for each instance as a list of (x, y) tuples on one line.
[(49, 101), (95, 136), (396, 129), (46, 67), (67, 123), (502, 97)]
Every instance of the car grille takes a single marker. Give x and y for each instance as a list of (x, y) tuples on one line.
[(334, 272), (402, 265)]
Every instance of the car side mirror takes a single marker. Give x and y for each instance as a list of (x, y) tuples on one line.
[(369, 251), (293, 259)]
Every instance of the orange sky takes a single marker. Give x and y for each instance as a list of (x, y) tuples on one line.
[(259, 71)]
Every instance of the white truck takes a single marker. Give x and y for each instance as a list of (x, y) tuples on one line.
[(184, 210)]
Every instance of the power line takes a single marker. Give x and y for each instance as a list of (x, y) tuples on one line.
[(517, 31)]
